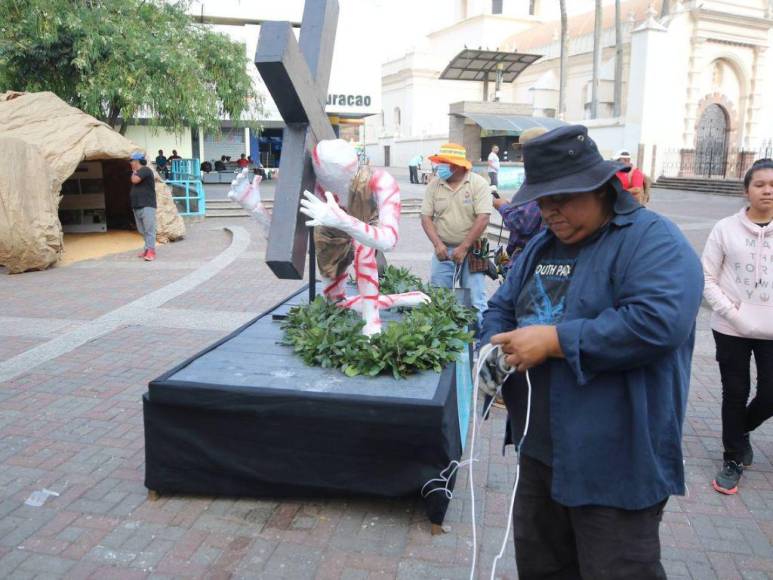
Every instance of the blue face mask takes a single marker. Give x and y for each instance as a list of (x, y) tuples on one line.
[(444, 171)]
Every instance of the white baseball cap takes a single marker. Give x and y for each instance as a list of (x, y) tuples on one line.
[(622, 154)]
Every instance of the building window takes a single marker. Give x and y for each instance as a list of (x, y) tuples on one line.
[(496, 6), (398, 120)]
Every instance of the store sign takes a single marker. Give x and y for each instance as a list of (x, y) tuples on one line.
[(349, 100)]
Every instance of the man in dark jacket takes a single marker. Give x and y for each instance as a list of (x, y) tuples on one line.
[(600, 309), (143, 202)]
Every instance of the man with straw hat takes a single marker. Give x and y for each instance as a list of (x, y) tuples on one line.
[(454, 215)]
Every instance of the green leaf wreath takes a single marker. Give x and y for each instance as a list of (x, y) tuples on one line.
[(427, 337)]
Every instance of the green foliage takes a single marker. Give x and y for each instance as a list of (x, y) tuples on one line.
[(397, 280), (115, 58), (428, 336)]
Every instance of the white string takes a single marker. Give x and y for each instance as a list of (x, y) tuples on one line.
[(457, 282), (515, 486), (447, 474), (454, 466), (445, 479)]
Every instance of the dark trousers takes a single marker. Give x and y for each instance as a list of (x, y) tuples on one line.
[(493, 178), (414, 173), (556, 542), (738, 418)]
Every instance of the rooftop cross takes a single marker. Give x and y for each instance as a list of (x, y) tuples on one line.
[(296, 75)]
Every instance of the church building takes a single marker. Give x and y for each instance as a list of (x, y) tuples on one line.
[(697, 80)]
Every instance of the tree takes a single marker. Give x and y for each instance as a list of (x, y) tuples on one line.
[(117, 59), (594, 102), (564, 62), (618, 60)]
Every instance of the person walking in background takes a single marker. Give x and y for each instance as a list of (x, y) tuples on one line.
[(170, 161), (738, 268), (161, 164), (413, 168), (143, 201), (454, 214), (493, 166), (633, 179), (522, 221)]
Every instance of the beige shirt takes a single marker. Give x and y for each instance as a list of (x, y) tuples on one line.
[(454, 212)]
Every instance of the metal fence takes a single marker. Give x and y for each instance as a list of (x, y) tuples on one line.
[(712, 161)]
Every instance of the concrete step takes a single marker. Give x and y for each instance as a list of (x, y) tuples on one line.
[(716, 186), (218, 213), (703, 184)]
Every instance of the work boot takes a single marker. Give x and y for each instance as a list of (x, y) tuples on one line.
[(727, 479)]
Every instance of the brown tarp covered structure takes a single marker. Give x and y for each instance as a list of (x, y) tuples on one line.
[(42, 141)]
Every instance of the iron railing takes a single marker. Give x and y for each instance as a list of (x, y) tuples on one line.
[(187, 189), (712, 162)]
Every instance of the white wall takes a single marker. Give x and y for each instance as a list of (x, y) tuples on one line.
[(488, 32), (764, 120), (353, 71), (753, 8), (401, 150), (151, 139), (609, 135)]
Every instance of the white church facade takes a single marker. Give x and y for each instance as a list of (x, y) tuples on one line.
[(697, 80)]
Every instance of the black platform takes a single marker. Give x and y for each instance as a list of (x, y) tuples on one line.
[(246, 417)]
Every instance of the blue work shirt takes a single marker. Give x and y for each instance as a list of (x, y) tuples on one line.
[(618, 398)]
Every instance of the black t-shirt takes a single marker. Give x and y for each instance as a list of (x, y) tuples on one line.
[(143, 194), (542, 301)]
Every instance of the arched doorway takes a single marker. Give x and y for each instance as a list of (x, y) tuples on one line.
[(711, 142)]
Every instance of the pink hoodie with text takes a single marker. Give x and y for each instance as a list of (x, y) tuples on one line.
[(738, 270)]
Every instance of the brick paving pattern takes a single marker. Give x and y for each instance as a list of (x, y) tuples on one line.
[(73, 425)]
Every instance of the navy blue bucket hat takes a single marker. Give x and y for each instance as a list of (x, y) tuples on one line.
[(564, 160)]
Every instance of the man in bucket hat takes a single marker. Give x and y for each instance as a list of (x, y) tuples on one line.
[(600, 309), (455, 212)]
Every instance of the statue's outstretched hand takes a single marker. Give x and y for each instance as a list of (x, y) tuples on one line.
[(323, 213), (247, 194)]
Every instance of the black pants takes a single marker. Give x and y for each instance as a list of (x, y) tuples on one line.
[(734, 358), (414, 173), (493, 178), (556, 542)]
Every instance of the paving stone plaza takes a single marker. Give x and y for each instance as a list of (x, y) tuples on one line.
[(79, 344)]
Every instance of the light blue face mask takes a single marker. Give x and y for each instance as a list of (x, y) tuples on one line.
[(444, 171)]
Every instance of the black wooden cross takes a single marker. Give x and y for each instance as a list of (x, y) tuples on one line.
[(296, 75)]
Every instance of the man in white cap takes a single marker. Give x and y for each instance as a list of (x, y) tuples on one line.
[(632, 180)]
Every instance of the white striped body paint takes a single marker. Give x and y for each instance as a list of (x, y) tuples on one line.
[(366, 238)]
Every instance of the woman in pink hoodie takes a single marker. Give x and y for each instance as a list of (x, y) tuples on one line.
[(738, 269)]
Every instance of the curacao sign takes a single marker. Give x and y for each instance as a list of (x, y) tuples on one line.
[(349, 100)]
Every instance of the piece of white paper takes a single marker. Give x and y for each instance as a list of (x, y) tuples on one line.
[(38, 498)]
